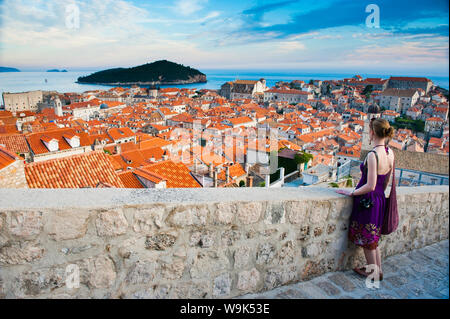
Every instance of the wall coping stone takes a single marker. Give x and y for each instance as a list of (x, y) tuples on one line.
[(119, 197)]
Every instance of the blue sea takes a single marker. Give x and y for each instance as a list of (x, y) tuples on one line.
[(65, 81)]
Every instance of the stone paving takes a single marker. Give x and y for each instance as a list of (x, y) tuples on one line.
[(418, 274)]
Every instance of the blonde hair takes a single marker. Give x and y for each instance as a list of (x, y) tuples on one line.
[(382, 128)]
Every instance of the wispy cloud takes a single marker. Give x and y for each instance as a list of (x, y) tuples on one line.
[(188, 7)]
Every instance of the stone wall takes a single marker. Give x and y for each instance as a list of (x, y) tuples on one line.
[(174, 243), (13, 176)]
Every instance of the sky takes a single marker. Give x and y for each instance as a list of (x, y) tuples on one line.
[(325, 35)]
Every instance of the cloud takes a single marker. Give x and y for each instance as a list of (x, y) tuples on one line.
[(394, 16), (188, 7)]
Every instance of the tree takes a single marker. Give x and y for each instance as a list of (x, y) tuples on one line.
[(368, 90), (304, 157), (241, 184), (311, 81)]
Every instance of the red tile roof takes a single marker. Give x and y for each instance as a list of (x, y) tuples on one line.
[(15, 143), (130, 180), (78, 171), (177, 175), (35, 140), (6, 157)]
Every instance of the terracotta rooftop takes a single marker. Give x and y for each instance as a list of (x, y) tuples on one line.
[(177, 175), (78, 171), (16, 143), (6, 157)]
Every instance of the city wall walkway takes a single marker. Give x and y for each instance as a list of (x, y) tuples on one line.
[(421, 273)]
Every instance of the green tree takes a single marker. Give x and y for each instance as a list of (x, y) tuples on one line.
[(241, 184), (368, 90), (301, 158)]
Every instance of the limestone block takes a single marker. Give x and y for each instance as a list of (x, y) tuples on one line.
[(279, 276), (298, 212), (341, 208), (195, 215), (248, 280), (242, 256), (99, 271), (33, 283), (173, 270), (275, 214), (286, 254), (222, 285), (265, 254), (229, 237), (312, 250), (142, 272), (160, 241), (155, 292), (225, 213), (20, 253), (111, 223), (192, 290), (204, 239), (249, 213), (148, 220), (207, 264), (63, 225), (319, 212), (25, 224)]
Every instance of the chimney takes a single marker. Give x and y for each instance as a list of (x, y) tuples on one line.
[(118, 149), (211, 169), (215, 178), (249, 181), (227, 173)]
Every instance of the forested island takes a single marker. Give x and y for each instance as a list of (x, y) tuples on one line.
[(56, 70), (6, 69), (156, 73)]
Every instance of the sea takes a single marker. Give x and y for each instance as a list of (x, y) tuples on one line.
[(66, 81)]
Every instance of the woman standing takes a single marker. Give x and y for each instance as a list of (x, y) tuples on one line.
[(369, 201)]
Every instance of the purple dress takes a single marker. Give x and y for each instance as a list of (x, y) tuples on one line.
[(365, 223)]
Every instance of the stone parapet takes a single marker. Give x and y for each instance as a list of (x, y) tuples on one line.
[(181, 243)]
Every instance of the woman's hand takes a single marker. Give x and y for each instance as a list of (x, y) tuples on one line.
[(344, 192)]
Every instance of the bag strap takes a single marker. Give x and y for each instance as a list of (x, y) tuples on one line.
[(393, 179)]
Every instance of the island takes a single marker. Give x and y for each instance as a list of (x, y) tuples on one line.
[(156, 73), (56, 70), (6, 69)]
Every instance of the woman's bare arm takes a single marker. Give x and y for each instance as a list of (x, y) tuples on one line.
[(371, 176)]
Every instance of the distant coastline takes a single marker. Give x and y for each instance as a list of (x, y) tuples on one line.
[(7, 69), (180, 82), (56, 70)]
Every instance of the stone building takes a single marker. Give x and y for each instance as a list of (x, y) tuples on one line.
[(242, 89), (25, 101), (405, 83), (12, 174), (399, 100), (290, 96)]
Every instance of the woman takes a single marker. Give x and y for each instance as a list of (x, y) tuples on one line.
[(369, 201)]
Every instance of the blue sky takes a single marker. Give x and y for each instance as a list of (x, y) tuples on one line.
[(325, 35)]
